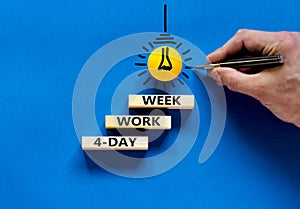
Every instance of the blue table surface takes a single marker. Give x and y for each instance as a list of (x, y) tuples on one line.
[(43, 46)]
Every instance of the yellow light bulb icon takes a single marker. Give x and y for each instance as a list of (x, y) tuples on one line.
[(164, 63)]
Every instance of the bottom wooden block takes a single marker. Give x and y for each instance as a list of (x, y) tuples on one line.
[(114, 143)]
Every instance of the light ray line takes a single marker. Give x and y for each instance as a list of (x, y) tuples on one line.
[(148, 79), (142, 73), (185, 52), (147, 50)]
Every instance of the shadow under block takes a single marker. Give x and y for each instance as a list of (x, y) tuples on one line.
[(114, 143), (161, 101), (137, 121)]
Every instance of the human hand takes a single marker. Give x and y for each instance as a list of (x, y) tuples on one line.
[(276, 88)]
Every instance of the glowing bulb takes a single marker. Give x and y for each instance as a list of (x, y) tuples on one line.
[(164, 63)]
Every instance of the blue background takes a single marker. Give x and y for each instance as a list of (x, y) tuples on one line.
[(43, 46)]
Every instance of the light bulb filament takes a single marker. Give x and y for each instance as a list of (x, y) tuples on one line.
[(162, 65)]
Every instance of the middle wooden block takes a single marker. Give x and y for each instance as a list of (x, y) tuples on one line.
[(137, 121)]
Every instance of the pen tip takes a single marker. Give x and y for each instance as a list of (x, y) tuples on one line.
[(195, 67), (201, 67)]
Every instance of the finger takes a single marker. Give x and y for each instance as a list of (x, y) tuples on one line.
[(235, 80), (252, 40)]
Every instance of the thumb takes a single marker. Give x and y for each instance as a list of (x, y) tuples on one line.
[(234, 80)]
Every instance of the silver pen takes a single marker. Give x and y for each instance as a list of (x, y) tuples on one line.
[(265, 61)]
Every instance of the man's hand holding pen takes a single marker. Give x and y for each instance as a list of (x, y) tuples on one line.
[(277, 88)]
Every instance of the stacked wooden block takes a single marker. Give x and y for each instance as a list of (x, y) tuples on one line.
[(137, 121)]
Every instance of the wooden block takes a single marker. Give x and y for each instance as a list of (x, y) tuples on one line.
[(114, 143), (137, 121), (161, 101)]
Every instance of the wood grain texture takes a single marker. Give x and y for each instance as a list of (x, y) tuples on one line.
[(137, 121), (114, 143), (161, 101)]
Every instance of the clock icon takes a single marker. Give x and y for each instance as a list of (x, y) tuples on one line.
[(161, 65)]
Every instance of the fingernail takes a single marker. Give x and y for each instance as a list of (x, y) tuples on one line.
[(215, 74)]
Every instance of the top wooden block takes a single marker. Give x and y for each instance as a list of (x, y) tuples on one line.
[(161, 101)]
